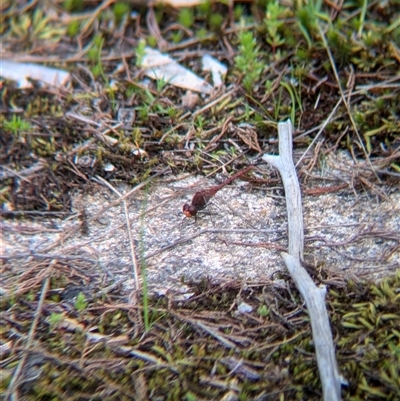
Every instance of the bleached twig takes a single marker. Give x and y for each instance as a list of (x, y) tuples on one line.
[(284, 163), (313, 296)]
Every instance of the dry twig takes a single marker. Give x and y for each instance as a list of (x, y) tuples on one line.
[(128, 227), (13, 387), (314, 296)]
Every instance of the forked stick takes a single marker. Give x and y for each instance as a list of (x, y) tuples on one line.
[(313, 296)]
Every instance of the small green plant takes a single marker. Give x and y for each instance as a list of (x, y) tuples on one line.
[(295, 95), (341, 47), (186, 17), (152, 41), (204, 8), (143, 112), (120, 11), (56, 318), (191, 397), (36, 26), (140, 52), (160, 84), (372, 38), (238, 12), (274, 21), (94, 55), (199, 122), (362, 17), (307, 18), (73, 28), (73, 5), (248, 112), (16, 125), (248, 61), (269, 87), (216, 21), (177, 36), (202, 33), (172, 112), (136, 136), (80, 303), (97, 70), (291, 93), (263, 311), (94, 52)]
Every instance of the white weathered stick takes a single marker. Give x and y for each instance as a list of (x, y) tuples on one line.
[(321, 331), (284, 163), (313, 296)]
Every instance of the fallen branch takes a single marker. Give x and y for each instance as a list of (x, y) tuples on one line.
[(313, 296)]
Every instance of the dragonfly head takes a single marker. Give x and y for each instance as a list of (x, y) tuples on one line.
[(189, 210)]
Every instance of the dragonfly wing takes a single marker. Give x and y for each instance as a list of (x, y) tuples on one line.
[(200, 200)]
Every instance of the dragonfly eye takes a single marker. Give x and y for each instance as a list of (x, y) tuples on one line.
[(189, 210)]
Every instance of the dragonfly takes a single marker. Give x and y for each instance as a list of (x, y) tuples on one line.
[(202, 197)]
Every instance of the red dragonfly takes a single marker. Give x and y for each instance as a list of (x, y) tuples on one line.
[(201, 198)]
